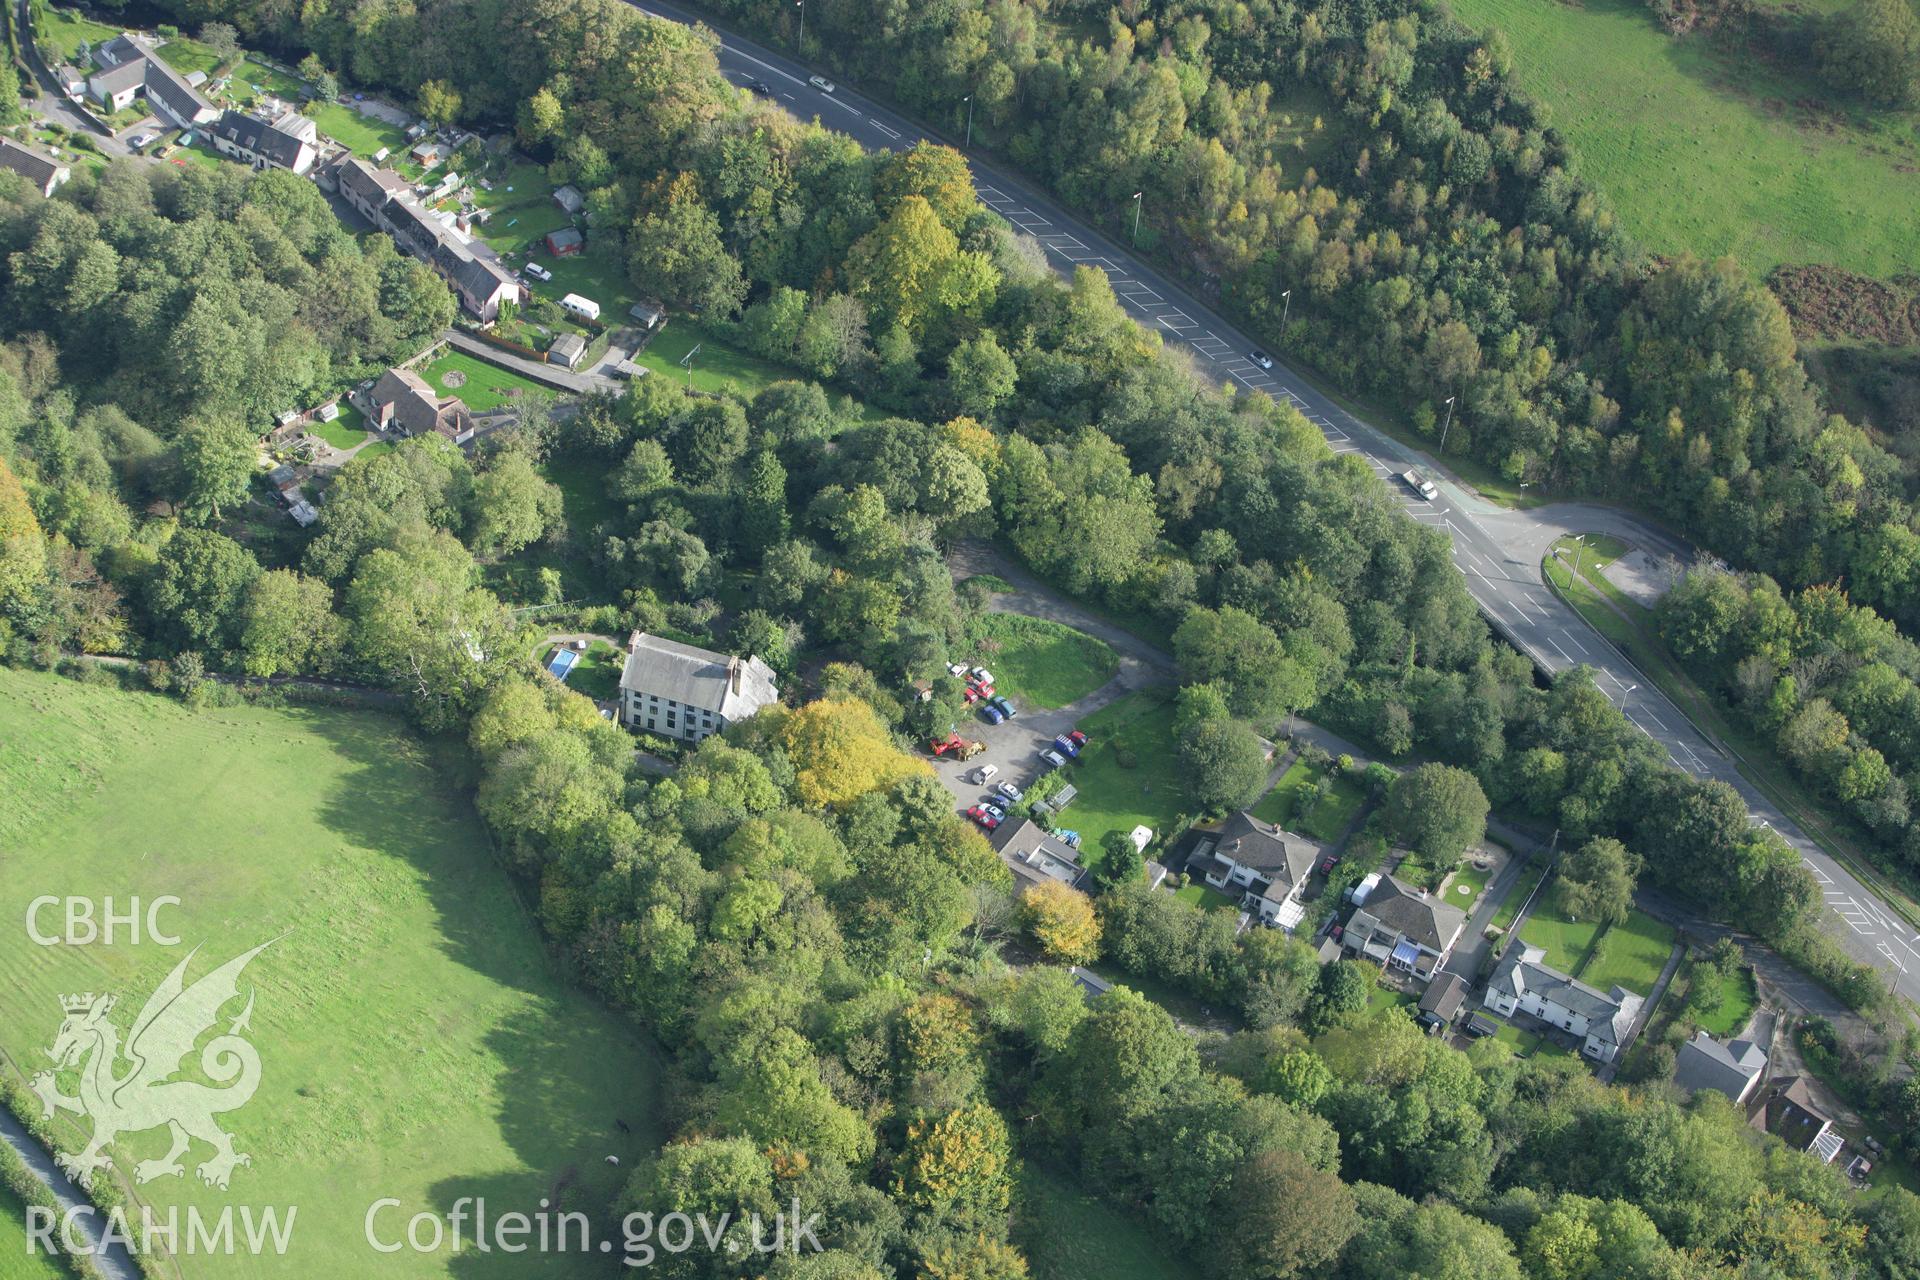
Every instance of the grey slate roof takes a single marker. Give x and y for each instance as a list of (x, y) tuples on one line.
[(695, 677), (1705, 1063), (281, 146), (169, 89), (1420, 917), (35, 166), (1609, 1014), (567, 349), (417, 408), (113, 79), (122, 48), (1282, 857)]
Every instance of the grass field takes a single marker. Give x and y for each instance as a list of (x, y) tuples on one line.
[(1040, 662), (486, 387), (1116, 797), (188, 56), (363, 135), (1278, 804), (1708, 152), (718, 368), (1070, 1235), (19, 1259), (1737, 999), (1631, 955), (416, 1041)]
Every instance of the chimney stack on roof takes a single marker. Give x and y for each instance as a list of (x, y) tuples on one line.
[(633, 642), (733, 674)]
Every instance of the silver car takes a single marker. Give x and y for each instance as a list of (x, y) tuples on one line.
[(1010, 791)]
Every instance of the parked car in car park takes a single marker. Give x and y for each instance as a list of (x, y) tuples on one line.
[(1000, 702), (1066, 747), (991, 714), (1008, 790), (987, 773), (980, 816), (1053, 758), (1077, 738)]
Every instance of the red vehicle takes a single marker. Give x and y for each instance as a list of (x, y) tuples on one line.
[(980, 815), (940, 746), (1077, 738), (978, 692), (1327, 863)]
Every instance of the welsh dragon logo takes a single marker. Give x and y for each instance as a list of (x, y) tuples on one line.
[(143, 1095)]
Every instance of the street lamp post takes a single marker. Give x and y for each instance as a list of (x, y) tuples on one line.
[(969, 101), (1449, 426), (1136, 216), (802, 6), (1579, 550), (1285, 310)]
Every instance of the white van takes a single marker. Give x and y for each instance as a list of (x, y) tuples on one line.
[(986, 773), (581, 306)]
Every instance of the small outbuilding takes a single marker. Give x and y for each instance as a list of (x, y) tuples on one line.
[(565, 242), (648, 315), (569, 199), (567, 350)]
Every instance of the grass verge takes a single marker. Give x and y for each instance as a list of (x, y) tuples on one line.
[(1038, 661)]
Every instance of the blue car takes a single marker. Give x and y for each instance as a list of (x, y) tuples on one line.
[(991, 714), (1000, 702)]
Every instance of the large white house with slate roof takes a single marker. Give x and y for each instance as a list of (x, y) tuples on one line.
[(1266, 865), (1403, 928), (1523, 981), (680, 691)]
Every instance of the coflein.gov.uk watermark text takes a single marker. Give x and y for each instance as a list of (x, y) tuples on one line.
[(640, 1240)]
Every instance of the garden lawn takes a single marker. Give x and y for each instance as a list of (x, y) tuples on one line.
[(361, 134), (597, 674), (1737, 999), (718, 368), (1470, 879), (584, 503), (1565, 941), (486, 387), (1278, 804), (1631, 955), (1700, 151), (188, 56), (523, 212), (1042, 663), (1199, 893), (240, 84), (345, 431), (416, 1040), (1329, 818), (1068, 1234), (1115, 797)]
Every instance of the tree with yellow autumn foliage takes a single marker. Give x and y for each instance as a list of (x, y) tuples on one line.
[(1061, 920), (841, 751)]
